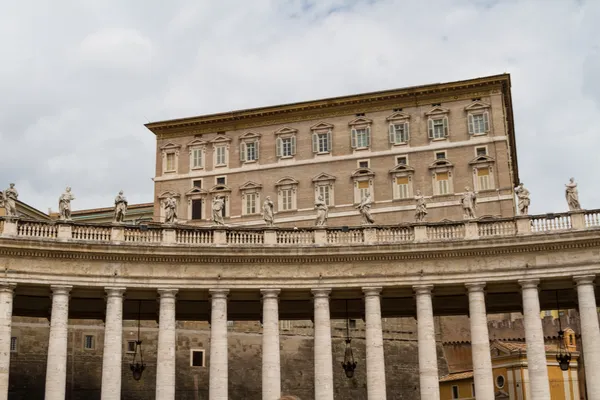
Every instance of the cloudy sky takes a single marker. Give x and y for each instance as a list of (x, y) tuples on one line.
[(79, 78)]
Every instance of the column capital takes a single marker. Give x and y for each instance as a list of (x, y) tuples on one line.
[(115, 291), (7, 287), (372, 291), (423, 289), (475, 287), (218, 293), (529, 283), (167, 293), (321, 293), (61, 289), (270, 293), (583, 280)]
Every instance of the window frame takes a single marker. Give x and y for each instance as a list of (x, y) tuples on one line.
[(193, 147), (455, 392), (318, 131), (197, 350), (170, 149), (127, 351), (359, 177), (251, 190), (438, 113), (481, 147), (482, 163), (478, 108), (437, 152), (225, 156), (325, 180), (402, 171), (288, 185), (15, 340), (84, 344), (367, 160), (405, 160), (442, 166), (285, 133), (360, 131)]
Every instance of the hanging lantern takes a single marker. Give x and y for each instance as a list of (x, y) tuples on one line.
[(349, 365), (563, 355), (137, 365)]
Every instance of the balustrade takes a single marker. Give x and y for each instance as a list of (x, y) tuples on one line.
[(550, 222), (91, 233), (446, 231), (194, 237), (345, 237), (145, 235), (497, 228), (295, 237), (395, 234), (592, 218), (37, 230)]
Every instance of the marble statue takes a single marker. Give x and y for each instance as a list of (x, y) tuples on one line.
[(421, 210), (9, 198), (120, 207), (365, 209), (170, 210), (218, 204), (322, 211), (268, 211), (524, 200), (469, 202), (64, 204), (572, 195)]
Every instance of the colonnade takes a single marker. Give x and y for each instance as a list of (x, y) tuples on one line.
[(323, 360)]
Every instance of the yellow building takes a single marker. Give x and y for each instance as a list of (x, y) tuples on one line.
[(511, 377)]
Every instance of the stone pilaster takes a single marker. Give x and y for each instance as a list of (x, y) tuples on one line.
[(374, 343), (113, 345), (323, 357), (590, 333), (218, 376), (56, 368), (534, 335), (428, 371), (165, 354), (6, 308), (271, 359), (480, 343)]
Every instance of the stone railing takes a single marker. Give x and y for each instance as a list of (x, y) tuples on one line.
[(186, 235)]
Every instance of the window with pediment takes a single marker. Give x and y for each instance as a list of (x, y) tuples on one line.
[(249, 147), (197, 152), (286, 194), (360, 133), (363, 179), (483, 173), (324, 185), (285, 142), (162, 198), (442, 177), (223, 191), (399, 128), (322, 138), (251, 198), (196, 202), (437, 123), (478, 118), (170, 158), (220, 150), (402, 181)]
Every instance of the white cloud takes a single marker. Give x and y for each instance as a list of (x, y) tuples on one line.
[(117, 48)]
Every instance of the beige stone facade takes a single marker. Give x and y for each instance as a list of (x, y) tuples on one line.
[(438, 139)]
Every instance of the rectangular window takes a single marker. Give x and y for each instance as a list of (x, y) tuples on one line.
[(251, 203), (221, 180), (481, 151), (196, 358), (483, 178), (322, 142), (401, 160), (131, 346), (286, 199), (220, 156), (442, 183), (402, 183), (363, 164), (399, 133), (478, 123), (438, 128), (13, 344), (360, 138), (455, 392), (352, 324), (324, 191), (287, 146), (197, 183), (440, 155), (363, 187), (197, 161), (251, 153), (197, 209), (88, 342), (170, 162)]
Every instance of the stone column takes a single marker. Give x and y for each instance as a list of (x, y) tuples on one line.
[(271, 360), (374, 343), (590, 333), (480, 343), (165, 353), (113, 345), (218, 378), (6, 307), (428, 371), (323, 357), (534, 336), (56, 369)]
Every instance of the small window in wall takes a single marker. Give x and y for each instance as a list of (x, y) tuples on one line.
[(455, 392), (483, 178), (197, 358), (197, 183), (89, 342), (197, 209), (352, 324), (363, 164), (130, 346), (402, 160), (13, 344), (221, 180), (325, 191), (440, 155), (500, 381), (481, 151)]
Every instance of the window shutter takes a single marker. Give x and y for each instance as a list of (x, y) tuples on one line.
[(471, 127), (392, 134), (315, 138), (278, 147), (293, 145), (368, 136), (430, 123), (446, 126), (353, 138), (257, 147), (243, 152), (486, 122), (329, 140), (406, 131)]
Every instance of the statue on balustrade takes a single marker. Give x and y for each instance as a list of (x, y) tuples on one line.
[(322, 211), (268, 211), (572, 195), (365, 209), (524, 201), (120, 207), (9, 198), (170, 210), (218, 204), (64, 204), (469, 202), (421, 210)]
